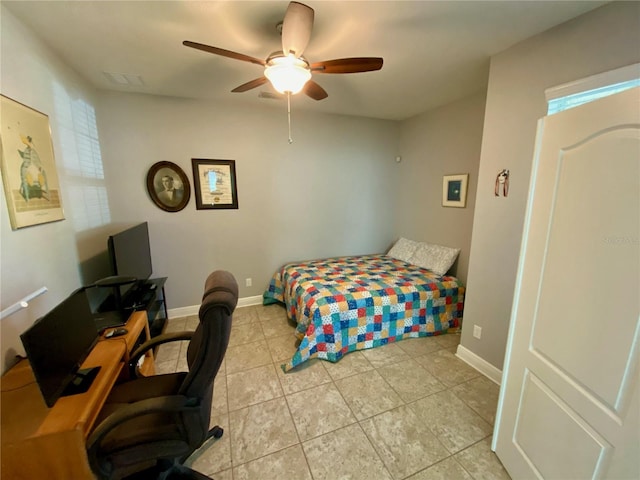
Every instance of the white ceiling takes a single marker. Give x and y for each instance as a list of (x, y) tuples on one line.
[(434, 51)]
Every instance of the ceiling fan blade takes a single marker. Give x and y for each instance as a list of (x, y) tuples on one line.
[(249, 85), (224, 53), (315, 91), (348, 65), (296, 28)]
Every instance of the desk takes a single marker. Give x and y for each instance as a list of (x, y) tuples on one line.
[(41, 442)]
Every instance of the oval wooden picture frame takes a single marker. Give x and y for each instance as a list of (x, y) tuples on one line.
[(160, 177)]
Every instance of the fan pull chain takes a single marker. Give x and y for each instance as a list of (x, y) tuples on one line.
[(289, 115)]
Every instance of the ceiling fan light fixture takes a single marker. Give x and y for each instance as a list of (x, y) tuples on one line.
[(287, 73)]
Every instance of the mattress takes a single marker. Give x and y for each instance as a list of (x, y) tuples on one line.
[(345, 304)]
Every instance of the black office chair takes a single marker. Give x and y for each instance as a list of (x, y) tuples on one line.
[(149, 426)]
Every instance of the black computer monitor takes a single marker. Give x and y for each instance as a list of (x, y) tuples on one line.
[(130, 256), (130, 252), (58, 343)]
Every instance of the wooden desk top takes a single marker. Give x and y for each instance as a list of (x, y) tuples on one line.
[(24, 413), (41, 442), (135, 325)]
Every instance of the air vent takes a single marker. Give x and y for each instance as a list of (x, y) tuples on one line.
[(124, 79)]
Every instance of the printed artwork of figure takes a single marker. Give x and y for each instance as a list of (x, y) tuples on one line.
[(502, 180), (33, 177), (170, 195)]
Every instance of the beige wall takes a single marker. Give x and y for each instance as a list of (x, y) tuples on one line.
[(440, 142), (601, 40), (329, 193), (45, 255)]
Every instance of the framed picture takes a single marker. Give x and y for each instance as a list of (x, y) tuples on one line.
[(28, 166), (454, 190), (214, 182), (168, 186)]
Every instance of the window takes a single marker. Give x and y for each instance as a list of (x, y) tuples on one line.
[(592, 88), (82, 160)]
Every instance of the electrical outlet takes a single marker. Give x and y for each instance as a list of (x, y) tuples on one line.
[(248, 282), (477, 331)]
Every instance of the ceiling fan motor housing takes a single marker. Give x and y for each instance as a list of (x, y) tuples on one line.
[(286, 72)]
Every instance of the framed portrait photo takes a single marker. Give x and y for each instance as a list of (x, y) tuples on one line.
[(454, 190), (29, 172), (214, 182), (168, 186)]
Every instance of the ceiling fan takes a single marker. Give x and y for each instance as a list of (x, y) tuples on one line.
[(287, 70)]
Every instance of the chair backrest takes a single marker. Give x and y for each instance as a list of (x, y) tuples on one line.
[(208, 346)]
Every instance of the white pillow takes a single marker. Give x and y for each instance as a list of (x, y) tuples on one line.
[(436, 258), (403, 249)]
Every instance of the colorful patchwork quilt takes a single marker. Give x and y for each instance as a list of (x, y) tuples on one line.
[(353, 303)]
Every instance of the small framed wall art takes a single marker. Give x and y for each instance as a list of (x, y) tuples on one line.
[(168, 186), (28, 166), (454, 190), (214, 182)]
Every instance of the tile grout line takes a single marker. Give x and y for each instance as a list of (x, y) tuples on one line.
[(295, 426), (406, 404), (332, 381)]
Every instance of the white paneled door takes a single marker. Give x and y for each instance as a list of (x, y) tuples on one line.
[(569, 402)]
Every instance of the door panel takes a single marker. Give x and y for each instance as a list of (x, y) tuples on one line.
[(580, 281), (569, 403), (560, 437)]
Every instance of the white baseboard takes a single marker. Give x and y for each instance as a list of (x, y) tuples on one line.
[(249, 301), (193, 309), (480, 364), (183, 311)]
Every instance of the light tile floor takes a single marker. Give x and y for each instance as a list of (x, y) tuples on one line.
[(409, 410)]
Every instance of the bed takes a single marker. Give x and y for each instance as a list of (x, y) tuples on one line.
[(353, 303)]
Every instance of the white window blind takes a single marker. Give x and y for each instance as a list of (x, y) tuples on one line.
[(85, 185)]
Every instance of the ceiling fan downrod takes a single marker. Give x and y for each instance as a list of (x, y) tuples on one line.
[(289, 115)]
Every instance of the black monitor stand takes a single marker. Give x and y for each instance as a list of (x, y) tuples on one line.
[(115, 282)]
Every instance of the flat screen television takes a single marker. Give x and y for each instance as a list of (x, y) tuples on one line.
[(130, 255), (58, 343)]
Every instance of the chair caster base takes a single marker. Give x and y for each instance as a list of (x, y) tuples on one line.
[(215, 432)]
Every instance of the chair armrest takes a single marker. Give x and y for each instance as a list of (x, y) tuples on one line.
[(166, 404), (153, 343)]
